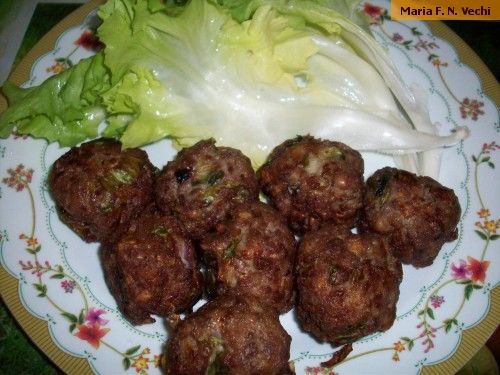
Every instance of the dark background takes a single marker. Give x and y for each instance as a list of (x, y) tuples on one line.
[(17, 354), (483, 37)]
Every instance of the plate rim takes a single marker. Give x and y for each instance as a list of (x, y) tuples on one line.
[(37, 330)]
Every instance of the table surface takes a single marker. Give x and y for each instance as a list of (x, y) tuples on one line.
[(22, 24)]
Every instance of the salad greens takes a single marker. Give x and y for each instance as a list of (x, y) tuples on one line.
[(64, 108), (248, 73)]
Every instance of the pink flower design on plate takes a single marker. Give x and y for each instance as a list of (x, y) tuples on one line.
[(19, 177), (437, 301), (68, 286), (460, 271), (471, 108), (397, 37), (488, 147), (17, 135), (94, 316)]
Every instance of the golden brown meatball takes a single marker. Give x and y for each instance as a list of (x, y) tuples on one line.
[(418, 214), (347, 284), (229, 335), (252, 252), (313, 181), (98, 188), (152, 269), (203, 183)]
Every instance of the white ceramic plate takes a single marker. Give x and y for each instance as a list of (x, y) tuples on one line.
[(61, 282)]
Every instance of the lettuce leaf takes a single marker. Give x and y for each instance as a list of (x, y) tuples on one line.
[(65, 108), (248, 73)]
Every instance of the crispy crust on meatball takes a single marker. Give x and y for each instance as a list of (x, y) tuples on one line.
[(313, 181), (152, 269), (229, 335), (202, 184), (417, 213), (252, 252), (347, 284), (98, 188)]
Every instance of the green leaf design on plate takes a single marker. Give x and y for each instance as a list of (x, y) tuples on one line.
[(81, 317), (482, 235), (448, 324), (430, 313), (126, 363), (42, 288), (468, 291), (70, 317), (132, 350)]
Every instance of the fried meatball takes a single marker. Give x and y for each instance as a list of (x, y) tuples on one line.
[(203, 183), (229, 335), (98, 188), (313, 181), (152, 269), (417, 213), (347, 284), (252, 252)]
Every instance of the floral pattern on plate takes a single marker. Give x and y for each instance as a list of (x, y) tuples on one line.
[(61, 282)]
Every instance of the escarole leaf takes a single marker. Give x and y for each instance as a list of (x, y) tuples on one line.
[(159, 74), (412, 99), (65, 108), (242, 10), (250, 74)]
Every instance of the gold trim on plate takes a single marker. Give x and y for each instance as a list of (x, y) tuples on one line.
[(471, 340)]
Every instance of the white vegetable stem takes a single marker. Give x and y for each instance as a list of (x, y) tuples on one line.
[(430, 161), (362, 130), (413, 100)]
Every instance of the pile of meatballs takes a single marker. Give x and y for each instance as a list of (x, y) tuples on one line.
[(325, 242)]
